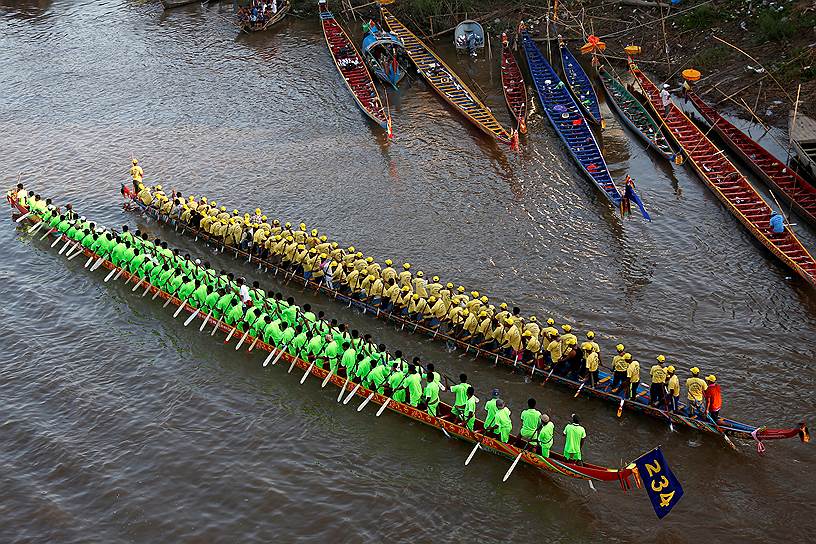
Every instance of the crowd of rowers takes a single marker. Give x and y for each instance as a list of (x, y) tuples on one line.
[(251, 312), (468, 317)]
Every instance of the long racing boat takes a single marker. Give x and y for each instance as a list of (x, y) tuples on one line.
[(515, 448), (640, 405), (792, 187), (728, 183), (515, 90), (445, 81), (580, 85)]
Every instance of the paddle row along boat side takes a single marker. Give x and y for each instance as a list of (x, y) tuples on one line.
[(555, 463), (634, 115), (445, 81), (795, 190), (515, 90), (580, 85), (358, 80), (640, 405), (728, 184), (569, 123)]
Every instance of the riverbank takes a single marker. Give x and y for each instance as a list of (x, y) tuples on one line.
[(753, 55)]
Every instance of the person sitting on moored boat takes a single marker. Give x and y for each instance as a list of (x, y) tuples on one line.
[(777, 222)]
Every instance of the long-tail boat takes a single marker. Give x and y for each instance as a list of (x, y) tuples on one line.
[(385, 55), (515, 90), (634, 115), (569, 123), (640, 405), (515, 449), (580, 85), (352, 69), (794, 189), (247, 25), (445, 81), (728, 184)]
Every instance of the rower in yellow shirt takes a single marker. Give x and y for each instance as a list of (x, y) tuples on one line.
[(144, 195), (137, 174), (633, 373), (554, 348), (388, 273), (657, 391), (591, 363), (619, 366), (405, 276), (673, 388), (696, 387)]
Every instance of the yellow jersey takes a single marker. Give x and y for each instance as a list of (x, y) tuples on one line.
[(136, 172), (658, 374), (592, 362), (695, 387)]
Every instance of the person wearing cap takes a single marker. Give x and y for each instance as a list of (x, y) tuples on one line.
[(595, 347), (713, 398), (619, 366), (554, 351), (657, 391), (696, 388), (137, 174), (405, 276), (532, 350), (567, 336), (591, 363), (460, 390), (545, 435), (470, 408), (530, 420), (490, 409), (673, 388), (388, 273), (633, 374), (503, 421), (570, 363), (574, 435), (665, 98), (470, 325)]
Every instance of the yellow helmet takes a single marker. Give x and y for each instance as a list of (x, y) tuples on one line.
[(323, 238), (419, 274), (204, 199), (369, 259), (620, 348), (335, 245), (406, 266), (627, 356), (223, 208), (566, 328), (586, 346), (590, 335), (257, 211), (287, 225), (303, 226), (503, 305), (191, 198), (466, 312), (527, 334), (551, 322), (572, 341), (435, 278), (510, 321), (406, 288), (301, 246), (159, 187), (483, 299), (359, 255), (313, 250), (323, 255), (235, 212), (415, 297), (351, 249), (711, 378), (388, 262), (482, 314), (661, 359), (263, 218), (314, 232), (533, 319), (371, 277), (135, 161), (474, 294), (670, 368), (695, 370), (460, 289), (432, 299), (449, 285), (214, 204)]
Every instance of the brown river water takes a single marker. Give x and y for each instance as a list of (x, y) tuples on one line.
[(120, 425)]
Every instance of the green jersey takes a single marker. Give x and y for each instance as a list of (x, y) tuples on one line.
[(174, 284), (530, 418), (363, 368), (470, 411), (572, 443), (273, 332), (212, 300), (460, 390), (199, 296), (376, 377), (431, 396), (413, 382), (504, 423), (490, 420), (186, 289), (235, 316), (395, 382), (545, 438)]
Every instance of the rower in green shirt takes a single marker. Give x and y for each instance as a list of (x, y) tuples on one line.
[(460, 390), (376, 378), (136, 262), (316, 347), (503, 421), (413, 383), (287, 334), (545, 435), (300, 340), (235, 315), (530, 419), (175, 284), (186, 288), (490, 407), (349, 360), (470, 408), (363, 368), (212, 301), (156, 272), (272, 331), (395, 382), (225, 302), (199, 296), (431, 394), (575, 435)]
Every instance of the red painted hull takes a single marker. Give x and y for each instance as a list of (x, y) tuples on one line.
[(515, 91), (728, 184)]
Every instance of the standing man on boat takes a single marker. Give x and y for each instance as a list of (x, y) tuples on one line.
[(574, 435), (633, 373), (696, 388), (673, 388), (658, 387), (530, 419), (619, 366), (137, 174), (665, 98), (460, 390), (713, 398), (545, 435)]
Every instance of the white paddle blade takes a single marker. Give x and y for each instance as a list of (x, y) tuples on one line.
[(280, 354), (383, 407), (137, 285), (342, 390), (366, 401), (204, 323), (110, 275), (192, 316), (252, 346), (63, 248), (326, 379), (76, 254), (23, 217), (88, 262), (266, 361), (235, 328), (241, 341), (294, 360), (55, 242), (512, 467), (353, 392), (472, 453), (306, 374)]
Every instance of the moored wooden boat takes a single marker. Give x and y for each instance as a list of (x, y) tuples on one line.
[(247, 25), (641, 405), (352, 69), (384, 53), (634, 115), (728, 184), (802, 131), (515, 448), (445, 81), (795, 190), (566, 118), (580, 85), (515, 90), (469, 36)]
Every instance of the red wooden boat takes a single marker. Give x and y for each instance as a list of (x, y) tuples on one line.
[(352, 68), (515, 91), (728, 184), (799, 193)]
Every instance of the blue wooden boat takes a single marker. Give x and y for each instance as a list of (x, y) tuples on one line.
[(580, 85), (566, 118), (385, 54)]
